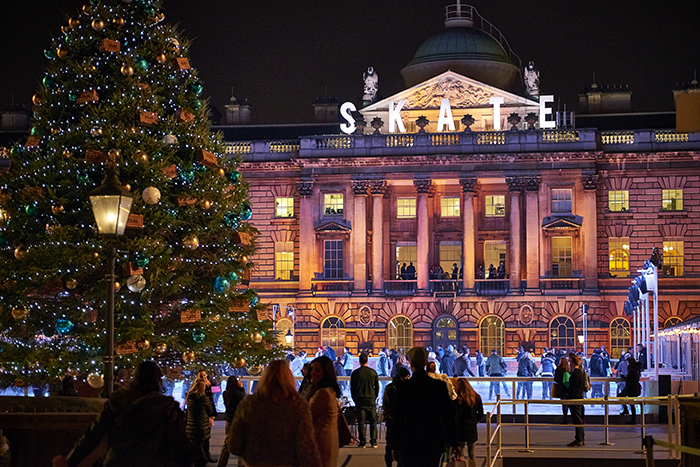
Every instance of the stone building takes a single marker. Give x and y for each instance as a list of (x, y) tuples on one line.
[(468, 217)]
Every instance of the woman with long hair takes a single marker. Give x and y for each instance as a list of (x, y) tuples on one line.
[(469, 411), (323, 393), (199, 409), (273, 426), (561, 386), (633, 387)]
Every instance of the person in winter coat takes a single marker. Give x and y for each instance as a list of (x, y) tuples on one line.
[(383, 368), (597, 370), (233, 395), (143, 428), (273, 426), (323, 394), (547, 371), (199, 409), (561, 386), (347, 361), (577, 383), (401, 362), (527, 369), (496, 367), (447, 366), (621, 372), (633, 388), (480, 364), (469, 411), (390, 415), (463, 363)]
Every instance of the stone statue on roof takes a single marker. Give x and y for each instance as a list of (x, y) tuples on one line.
[(371, 79), (532, 80)]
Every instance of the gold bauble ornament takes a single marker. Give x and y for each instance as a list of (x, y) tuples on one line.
[(36, 100), (127, 70), (244, 259), (161, 58), (74, 22), (222, 172), (144, 344), (19, 313), (98, 24), (206, 204), (67, 153), (239, 362), (57, 209), (160, 349), (51, 228), (114, 153), (141, 156), (21, 252), (256, 370), (65, 29), (117, 286), (191, 242), (87, 9), (61, 52), (188, 356), (95, 381), (119, 21), (55, 131), (71, 284), (96, 131)]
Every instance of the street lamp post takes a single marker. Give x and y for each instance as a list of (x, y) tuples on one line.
[(111, 204)]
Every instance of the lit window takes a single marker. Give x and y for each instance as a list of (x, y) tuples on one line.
[(673, 258), (333, 333), (494, 254), (618, 255), (618, 201), (284, 260), (491, 335), (406, 208), (284, 207), (672, 321), (561, 200), (333, 259), (496, 206), (671, 200), (449, 207), (619, 337), (406, 255), (561, 257), (400, 334), (561, 332), (450, 254), (333, 204)]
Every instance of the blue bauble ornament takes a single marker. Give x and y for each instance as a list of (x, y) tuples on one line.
[(234, 177), (199, 167), (83, 176), (142, 260), (246, 211), (49, 53), (49, 81), (196, 87), (231, 219), (187, 176), (254, 301), (198, 336), (63, 325), (221, 284), (141, 64)]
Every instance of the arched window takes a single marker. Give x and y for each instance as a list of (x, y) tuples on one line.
[(619, 337), (562, 333), (491, 332), (672, 321), (445, 332), (282, 326), (400, 334), (333, 333)]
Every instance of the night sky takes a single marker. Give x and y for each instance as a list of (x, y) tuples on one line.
[(283, 54)]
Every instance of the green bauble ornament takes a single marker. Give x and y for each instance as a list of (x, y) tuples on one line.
[(141, 64), (63, 325), (49, 53), (231, 220), (35, 131), (73, 97), (198, 336), (187, 176), (232, 276), (196, 87), (246, 211), (31, 209), (221, 284), (83, 176), (142, 260), (49, 81), (234, 177)]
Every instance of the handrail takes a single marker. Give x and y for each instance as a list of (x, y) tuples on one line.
[(497, 434)]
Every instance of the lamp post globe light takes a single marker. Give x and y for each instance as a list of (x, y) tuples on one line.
[(111, 204)]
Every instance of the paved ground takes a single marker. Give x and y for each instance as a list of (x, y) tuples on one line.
[(545, 442)]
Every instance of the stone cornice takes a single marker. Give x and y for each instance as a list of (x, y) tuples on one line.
[(359, 187), (423, 185), (516, 183), (305, 188), (590, 181), (379, 187), (469, 184)]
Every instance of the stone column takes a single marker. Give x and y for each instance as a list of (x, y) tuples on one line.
[(423, 186), (589, 230), (470, 188), (515, 185), (532, 226), (307, 237), (378, 187), (359, 236)]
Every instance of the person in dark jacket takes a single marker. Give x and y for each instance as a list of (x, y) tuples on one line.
[(526, 369), (597, 370), (425, 417), (447, 364), (202, 376), (389, 406), (561, 386), (480, 364), (199, 409), (642, 357), (143, 428), (233, 395), (547, 371), (364, 388), (463, 363), (577, 383), (469, 411), (633, 388)]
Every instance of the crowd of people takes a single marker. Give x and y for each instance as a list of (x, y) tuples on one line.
[(429, 408)]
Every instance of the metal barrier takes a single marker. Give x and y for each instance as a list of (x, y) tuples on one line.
[(496, 434)]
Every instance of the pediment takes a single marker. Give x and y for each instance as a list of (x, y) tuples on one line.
[(463, 93), (562, 222), (335, 226)]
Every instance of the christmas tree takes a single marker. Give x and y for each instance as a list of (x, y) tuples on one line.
[(119, 91)]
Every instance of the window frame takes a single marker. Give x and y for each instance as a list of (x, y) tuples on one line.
[(669, 203), (288, 207), (401, 209), (491, 208), (618, 244), (558, 202), (620, 199), (288, 248), (673, 260), (570, 256), (570, 330), (336, 269), (333, 327), (330, 207), (450, 206), (495, 340), (394, 340), (619, 344)]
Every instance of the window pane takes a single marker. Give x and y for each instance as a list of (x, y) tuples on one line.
[(333, 333), (618, 201), (496, 206), (618, 255), (672, 200), (619, 337), (494, 254), (449, 207), (333, 255), (561, 200), (400, 334), (406, 208), (491, 335), (673, 258), (333, 204), (284, 260), (284, 207), (561, 257), (406, 254), (450, 254), (562, 333)]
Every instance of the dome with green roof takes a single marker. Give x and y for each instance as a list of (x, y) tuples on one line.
[(480, 53)]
